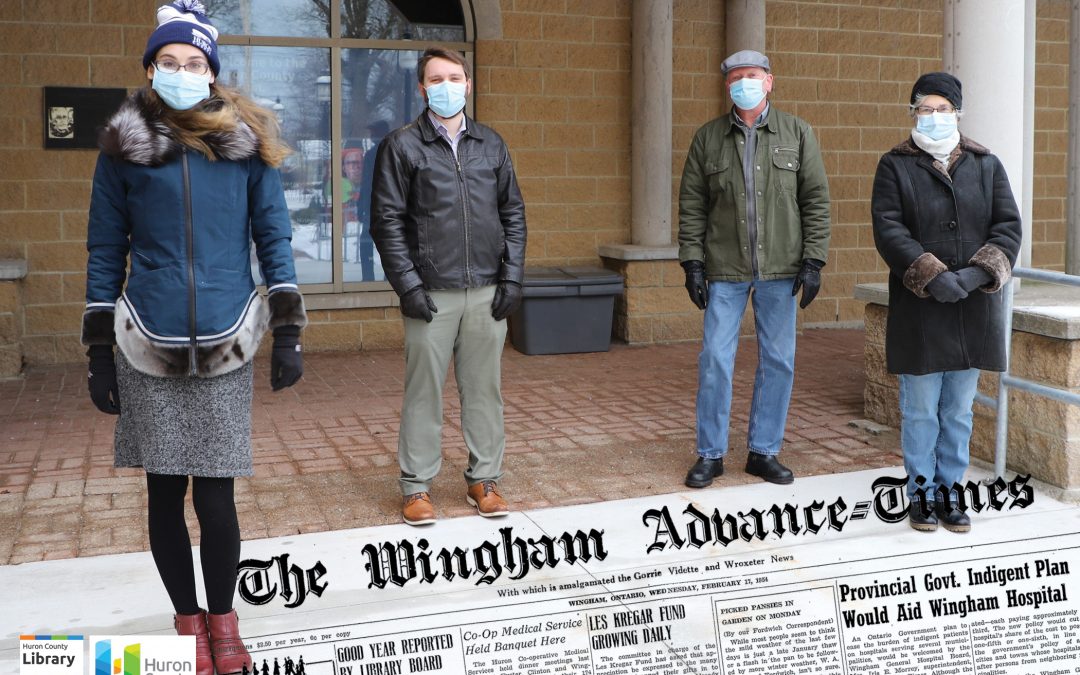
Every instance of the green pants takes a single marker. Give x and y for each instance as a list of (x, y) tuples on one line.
[(463, 327)]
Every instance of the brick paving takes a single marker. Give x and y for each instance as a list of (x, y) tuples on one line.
[(580, 428)]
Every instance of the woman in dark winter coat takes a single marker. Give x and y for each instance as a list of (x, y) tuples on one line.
[(946, 223), (184, 182)]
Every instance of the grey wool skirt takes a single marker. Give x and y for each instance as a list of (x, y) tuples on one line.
[(185, 426)]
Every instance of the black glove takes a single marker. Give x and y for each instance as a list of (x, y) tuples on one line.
[(417, 304), (809, 279), (973, 277), (696, 285), (286, 359), (507, 299), (946, 287), (101, 380)]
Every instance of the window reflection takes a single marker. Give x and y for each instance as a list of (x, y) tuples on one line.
[(286, 80), (381, 94), (377, 91), (286, 18), (402, 20), (365, 19)]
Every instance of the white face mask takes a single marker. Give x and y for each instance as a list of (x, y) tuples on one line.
[(446, 98), (937, 126), (181, 90), (747, 93)]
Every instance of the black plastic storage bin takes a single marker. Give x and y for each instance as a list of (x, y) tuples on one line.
[(565, 310)]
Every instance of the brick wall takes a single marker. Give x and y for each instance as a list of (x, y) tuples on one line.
[(44, 194), (848, 70), (697, 84), (557, 86), (10, 347)]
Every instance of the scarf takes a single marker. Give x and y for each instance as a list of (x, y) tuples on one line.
[(939, 150)]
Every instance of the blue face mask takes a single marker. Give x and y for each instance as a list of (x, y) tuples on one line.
[(446, 98), (937, 126), (181, 90), (747, 93)]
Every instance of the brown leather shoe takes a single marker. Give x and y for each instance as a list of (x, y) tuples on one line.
[(230, 655), (417, 509), (487, 500), (195, 624)]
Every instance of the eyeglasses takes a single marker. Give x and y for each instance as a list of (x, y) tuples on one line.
[(927, 110), (194, 67)]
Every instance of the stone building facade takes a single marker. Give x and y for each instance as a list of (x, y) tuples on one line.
[(553, 77)]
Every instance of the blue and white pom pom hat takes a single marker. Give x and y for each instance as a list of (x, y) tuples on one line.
[(184, 22)]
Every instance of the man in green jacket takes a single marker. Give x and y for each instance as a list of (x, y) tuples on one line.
[(753, 223)]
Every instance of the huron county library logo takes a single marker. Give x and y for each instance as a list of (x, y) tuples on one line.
[(50, 655), (143, 654)]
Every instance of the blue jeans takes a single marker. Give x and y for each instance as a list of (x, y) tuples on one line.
[(936, 426), (774, 319)]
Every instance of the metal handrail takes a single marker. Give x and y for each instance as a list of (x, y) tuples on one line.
[(1007, 380)]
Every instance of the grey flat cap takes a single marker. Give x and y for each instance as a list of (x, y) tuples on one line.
[(746, 58)]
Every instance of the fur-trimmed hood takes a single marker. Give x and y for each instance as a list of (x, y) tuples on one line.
[(137, 133), (169, 239)]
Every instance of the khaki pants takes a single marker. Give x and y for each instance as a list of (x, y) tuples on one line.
[(463, 327)]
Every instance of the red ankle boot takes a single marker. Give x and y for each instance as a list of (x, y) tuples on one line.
[(230, 655), (195, 624)]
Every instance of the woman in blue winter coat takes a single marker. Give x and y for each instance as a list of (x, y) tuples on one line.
[(185, 181)]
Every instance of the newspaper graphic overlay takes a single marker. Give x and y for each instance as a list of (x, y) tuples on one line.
[(667, 586)]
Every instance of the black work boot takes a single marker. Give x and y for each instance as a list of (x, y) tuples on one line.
[(952, 518), (923, 522), (768, 468), (703, 471)]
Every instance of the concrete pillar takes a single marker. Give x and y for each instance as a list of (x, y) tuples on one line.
[(650, 123), (744, 25), (990, 47), (1072, 211)]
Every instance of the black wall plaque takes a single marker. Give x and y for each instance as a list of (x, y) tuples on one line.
[(73, 115)]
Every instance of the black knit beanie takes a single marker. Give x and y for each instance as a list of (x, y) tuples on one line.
[(942, 84)]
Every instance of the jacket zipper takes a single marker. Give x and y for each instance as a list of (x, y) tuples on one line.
[(190, 230), (752, 225), (752, 235), (465, 218)]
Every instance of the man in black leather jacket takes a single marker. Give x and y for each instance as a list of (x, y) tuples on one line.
[(449, 223)]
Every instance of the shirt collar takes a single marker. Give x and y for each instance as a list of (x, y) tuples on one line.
[(760, 121), (441, 128)]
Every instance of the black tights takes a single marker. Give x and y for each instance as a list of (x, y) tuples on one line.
[(171, 547)]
